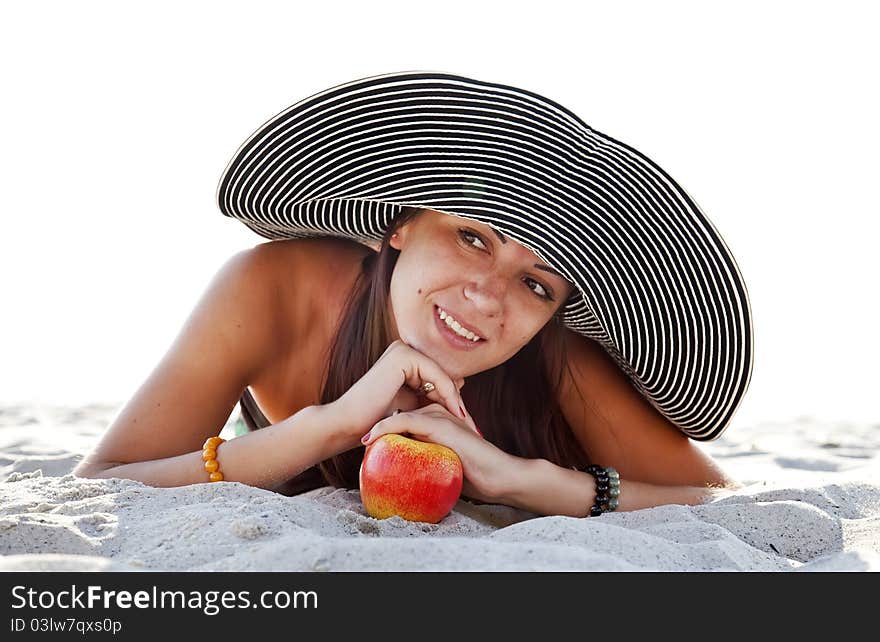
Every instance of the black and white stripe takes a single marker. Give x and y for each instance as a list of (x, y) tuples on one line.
[(659, 289)]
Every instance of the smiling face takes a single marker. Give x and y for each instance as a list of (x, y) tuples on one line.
[(487, 282)]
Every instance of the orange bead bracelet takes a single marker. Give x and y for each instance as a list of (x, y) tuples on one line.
[(209, 456)]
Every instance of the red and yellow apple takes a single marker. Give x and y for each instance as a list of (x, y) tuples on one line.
[(417, 480)]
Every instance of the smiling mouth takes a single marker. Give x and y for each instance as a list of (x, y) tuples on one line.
[(442, 318)]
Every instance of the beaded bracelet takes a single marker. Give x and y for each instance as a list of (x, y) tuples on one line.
[(607, 489), (209, 455)]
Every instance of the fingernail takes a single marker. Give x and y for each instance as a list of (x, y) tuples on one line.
[(396, 411), (478, 431), (462, 410), (366, 437)]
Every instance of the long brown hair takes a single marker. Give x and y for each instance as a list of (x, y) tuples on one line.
[(515, 404)]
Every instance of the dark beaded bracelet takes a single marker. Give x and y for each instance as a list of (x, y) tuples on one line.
[(607, 489)]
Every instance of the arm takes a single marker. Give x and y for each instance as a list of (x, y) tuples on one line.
[(541, 487), (537, 485), (230, 337), (265, 458)]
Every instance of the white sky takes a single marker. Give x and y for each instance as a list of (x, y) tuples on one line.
[(116, 123)]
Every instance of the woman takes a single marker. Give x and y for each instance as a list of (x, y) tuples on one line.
[(440, 245)]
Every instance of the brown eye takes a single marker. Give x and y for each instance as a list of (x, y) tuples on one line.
[(467, 233), (547, 294)]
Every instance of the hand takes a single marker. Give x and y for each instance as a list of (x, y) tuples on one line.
[(486, 467), (392, 383)]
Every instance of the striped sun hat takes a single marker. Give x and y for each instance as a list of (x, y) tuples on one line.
[(657, 287)]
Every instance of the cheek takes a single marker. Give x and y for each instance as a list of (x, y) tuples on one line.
[(524, 330), (410, 285), (425, 269)]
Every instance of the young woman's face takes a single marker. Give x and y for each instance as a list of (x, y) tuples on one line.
[(489, 286)]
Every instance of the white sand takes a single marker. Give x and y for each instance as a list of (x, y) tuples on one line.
[(812, 503)]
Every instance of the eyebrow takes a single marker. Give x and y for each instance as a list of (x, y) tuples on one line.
[(537, 265)]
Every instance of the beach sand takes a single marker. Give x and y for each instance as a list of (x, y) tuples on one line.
[(811, 503)]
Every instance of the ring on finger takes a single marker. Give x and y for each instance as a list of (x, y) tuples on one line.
[(427, 387)]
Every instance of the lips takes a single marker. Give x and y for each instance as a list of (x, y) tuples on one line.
[(452, 339), (464, 325)]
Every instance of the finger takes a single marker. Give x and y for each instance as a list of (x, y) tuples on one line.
[(445, 390), (397, 423), (471, 424), (470, 421), (452, 402), (460, 384), (436, 407)]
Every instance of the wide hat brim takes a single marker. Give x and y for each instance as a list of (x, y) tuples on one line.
[(657, 286)]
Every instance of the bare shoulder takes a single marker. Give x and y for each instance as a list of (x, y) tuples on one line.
[(251, 326), (306, 277), (618, 427), (310, 254), (601, 405), (224, 343), (308, 282)]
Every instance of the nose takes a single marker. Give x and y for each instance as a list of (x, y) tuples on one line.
[(487, 292)]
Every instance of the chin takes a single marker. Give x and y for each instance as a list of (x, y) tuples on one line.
[(461, 371), (442, 358), (452, 368)]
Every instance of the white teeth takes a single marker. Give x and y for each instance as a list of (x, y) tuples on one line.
[(456, 326)]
